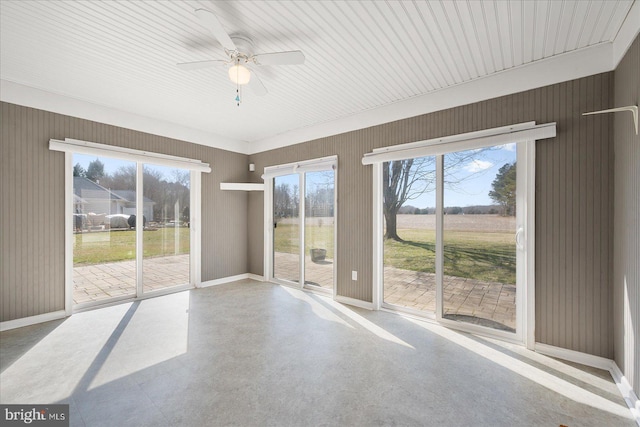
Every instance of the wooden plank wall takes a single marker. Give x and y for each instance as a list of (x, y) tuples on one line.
[(626, 277), (32, 205), (574, 201)]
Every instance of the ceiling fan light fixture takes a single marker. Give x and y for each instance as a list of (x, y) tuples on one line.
[(239, 74)]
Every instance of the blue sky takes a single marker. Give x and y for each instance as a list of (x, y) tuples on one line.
[(475, 176)]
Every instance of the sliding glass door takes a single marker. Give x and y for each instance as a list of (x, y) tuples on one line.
[(104, 244), (479, 229), (127, 244), (409, 279), (286, 228), (450, 224), (166, 244), (319, 229), (301, 209)]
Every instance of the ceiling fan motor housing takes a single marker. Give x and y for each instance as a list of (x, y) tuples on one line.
[(244, 45)]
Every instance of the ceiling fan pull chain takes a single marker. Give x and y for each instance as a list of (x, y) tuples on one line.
[(237, 83)]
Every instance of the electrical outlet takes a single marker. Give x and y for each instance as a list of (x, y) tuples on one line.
[(354, 275)]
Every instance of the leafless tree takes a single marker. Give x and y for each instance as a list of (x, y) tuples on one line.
[(404, 180)]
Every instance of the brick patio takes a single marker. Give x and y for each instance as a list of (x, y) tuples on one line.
[(317, 273), (472, 301), (102, 281)]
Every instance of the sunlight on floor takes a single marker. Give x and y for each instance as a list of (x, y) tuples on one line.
[(318, 304), (568, 370), (532, 373), (156, 333), (124, 339), (318, 309)]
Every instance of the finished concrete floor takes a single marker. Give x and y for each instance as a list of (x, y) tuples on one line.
[(257, 354)]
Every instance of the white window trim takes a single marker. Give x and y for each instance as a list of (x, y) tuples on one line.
[(320, 164), (72, 146), (466, 141), (526, 133), (85, 147)]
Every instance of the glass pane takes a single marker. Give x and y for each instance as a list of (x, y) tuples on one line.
[(319, 228), (166, 223), (104, 244), (286, 232), (410, 233), (479, 245)]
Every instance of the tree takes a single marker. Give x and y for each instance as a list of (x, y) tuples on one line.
[(282, 200), (95, 170), (78, 170), (124, 178), (404, 180), (398, 179), (504, 189)]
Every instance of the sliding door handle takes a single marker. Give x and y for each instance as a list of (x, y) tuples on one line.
[(519, 234)]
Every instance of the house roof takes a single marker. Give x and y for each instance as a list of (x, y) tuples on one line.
[(84, 188), (130, 196), (87, 189)]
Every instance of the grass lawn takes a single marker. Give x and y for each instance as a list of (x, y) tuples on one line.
[(103, 247), (318, 237), (485, 256), (479, 255)]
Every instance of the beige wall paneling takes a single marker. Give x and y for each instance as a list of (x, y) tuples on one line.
[(626, 252), (32, 207), (573, 201)]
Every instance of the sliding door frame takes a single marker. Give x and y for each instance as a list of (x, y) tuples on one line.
[(300, 168), (524, 135), (196, 167)]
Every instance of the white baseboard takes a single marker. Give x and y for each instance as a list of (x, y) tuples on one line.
[(574, 356), (627, 392), (256, 277), (354, 302), (32, 320), (624, 387), (224, 280)]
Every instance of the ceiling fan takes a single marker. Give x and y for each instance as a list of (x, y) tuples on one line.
[(241, 59)]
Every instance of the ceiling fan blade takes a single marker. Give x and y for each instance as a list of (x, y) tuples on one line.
[(210, 20), (256, 85), (293, 57), (196, 65)]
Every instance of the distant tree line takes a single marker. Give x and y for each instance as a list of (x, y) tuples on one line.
[(318, 202), (452, 210), (286, 200)]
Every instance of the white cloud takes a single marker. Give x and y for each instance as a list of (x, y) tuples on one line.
[(509, 147), (478, 165)]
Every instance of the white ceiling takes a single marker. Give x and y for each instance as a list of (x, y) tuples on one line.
[(362, 59)]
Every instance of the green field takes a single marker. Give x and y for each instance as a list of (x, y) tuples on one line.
[(486, 256), (286, 239), (103, 247)]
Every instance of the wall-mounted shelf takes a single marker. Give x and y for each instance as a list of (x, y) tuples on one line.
[(241, 186)]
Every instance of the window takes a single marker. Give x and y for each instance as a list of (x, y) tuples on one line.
[(132, 223), (300, 212), (454, 220)]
